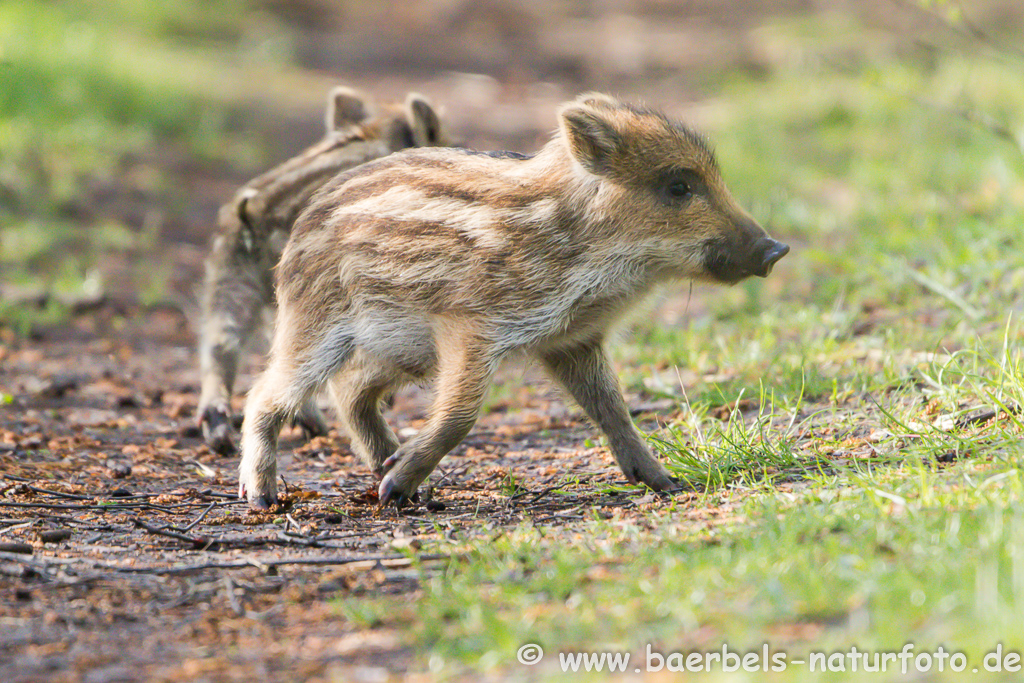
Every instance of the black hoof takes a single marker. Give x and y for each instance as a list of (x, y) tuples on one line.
[(216, 425), (263, 502), (390, 495)]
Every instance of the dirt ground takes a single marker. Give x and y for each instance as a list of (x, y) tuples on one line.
[(124, 553)]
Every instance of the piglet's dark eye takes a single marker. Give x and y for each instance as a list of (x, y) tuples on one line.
[(678, 186), (678, 189)]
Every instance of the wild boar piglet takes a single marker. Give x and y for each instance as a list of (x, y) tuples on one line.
[(436, 264), (252, 230)]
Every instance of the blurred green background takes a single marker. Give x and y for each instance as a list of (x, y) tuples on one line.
[(847, 127)]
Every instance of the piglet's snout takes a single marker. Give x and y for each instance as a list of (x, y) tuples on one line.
[(767, 252)]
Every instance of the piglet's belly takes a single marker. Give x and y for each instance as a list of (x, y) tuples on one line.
[(404, 341)]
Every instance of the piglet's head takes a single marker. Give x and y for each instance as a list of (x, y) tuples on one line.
[(658, 182)]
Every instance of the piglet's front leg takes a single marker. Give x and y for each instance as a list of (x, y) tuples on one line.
[(587, 375)]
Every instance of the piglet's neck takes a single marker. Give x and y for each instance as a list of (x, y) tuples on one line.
[(557, 173)]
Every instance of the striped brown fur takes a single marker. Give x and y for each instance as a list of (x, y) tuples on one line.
[(439, 263)]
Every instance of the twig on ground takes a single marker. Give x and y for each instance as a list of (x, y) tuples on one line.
[(945, 292), (118, 506), (15, 527), (199, 519), (16, 547), (978, 118), (197, 542), (55, 535), (965, 28), (390, 561), (538, 494), (60, 494), (229, 591), (451, 473)]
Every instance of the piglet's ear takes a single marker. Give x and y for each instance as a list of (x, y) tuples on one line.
[(598, 100), (345, 107), (425, 123), (592, 139)]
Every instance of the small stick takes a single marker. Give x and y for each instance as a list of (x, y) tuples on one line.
[(197, 520), (14, 527), (199, 543), (387, 561), (16, 547), (55, 535), (229, 590), (61, 494), (115, 507), (294, 524), (539, 494)]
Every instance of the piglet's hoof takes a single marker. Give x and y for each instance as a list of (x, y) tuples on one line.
[(391, 492), (216, 425), (662, 484), (261, 502)]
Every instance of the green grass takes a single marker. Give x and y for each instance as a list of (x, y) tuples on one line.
[(911, 534), (876, 562), (866, 558)]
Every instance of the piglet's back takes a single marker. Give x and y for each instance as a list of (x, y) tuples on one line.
[(448, 230)]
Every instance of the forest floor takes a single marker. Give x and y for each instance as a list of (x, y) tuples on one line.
[(131, 553)]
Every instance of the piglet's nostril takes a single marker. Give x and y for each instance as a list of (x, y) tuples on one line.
[(771, 252)]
